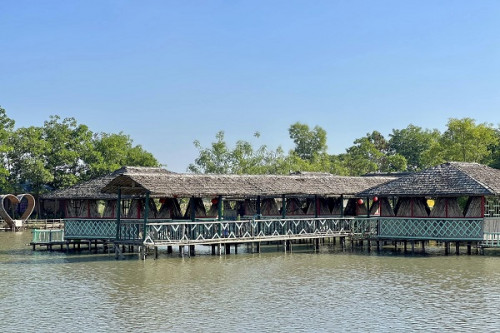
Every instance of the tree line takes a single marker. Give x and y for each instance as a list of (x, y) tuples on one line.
[(409, 149), (61, 153)]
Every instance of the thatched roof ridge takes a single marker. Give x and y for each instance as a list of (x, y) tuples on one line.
[(447, 179), (92, 189), (202, 185)]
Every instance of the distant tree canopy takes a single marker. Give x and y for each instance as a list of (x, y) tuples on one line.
[(61, 153), (408, 149)]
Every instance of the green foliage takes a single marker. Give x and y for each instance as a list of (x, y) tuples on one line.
[(308, 142), (112, 151), (371, 154), (242, 159), (467, 142), (414, 143), (6, 128), (60, 154)]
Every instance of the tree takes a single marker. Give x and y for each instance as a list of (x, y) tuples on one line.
[(411, 143), (242, 159), (495, 151), (69, 145), (308, 142), (6, 128), (27, 160), (112, 151), (370, 154), (465, 141)]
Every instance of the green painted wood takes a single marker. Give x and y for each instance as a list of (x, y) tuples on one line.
[(118, 213), (146, 216), (431, 228)]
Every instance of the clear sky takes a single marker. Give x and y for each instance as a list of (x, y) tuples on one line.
[(169, 72)]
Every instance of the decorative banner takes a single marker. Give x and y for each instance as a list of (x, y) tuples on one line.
[(16, 200)]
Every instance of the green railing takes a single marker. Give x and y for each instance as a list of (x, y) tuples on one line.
[(266, 229), (431, 228), (47, 236), (204, 230), (89, 229)]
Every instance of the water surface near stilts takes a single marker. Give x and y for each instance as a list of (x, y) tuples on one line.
[(272, 291)]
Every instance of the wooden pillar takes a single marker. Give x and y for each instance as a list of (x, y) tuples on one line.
[(378, 246), (283, 206), (257, 208), (395, 245), (169, 249), (457, 248), (446, 248), (316, 244), (181, 250), (213, 249), (258, 247), (118, 215), (228, 248), (193, 210), (219, 208), (191, 251), (146, 214), (156, 252), (316, 204), (413, 247), (342, 205), (469, 248), (405, 244), (423, 246), (235, 248)]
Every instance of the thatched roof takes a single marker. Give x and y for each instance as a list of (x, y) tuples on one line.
[(202, 185), (445, 180), (92, 189)]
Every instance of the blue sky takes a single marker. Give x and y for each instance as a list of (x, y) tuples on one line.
[(170, 72)]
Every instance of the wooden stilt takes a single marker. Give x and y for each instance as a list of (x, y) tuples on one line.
[(181, 251), (446, 248), (457, 248), (169, 249), (378, 246), (191, 251), (413, 247), (235, 248), (405, 245), (423, 246), (156, 252), (469, 248), (228, 248), (258, 247)]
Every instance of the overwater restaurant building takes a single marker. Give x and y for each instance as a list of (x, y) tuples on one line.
[(450, 202)]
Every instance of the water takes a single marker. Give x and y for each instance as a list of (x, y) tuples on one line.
[(330, 291)]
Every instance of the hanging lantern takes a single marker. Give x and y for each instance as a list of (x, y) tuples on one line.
[(360, 202), (215, 201), (375, 199), (163, 200)]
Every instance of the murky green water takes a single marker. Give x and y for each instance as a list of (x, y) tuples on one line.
[(327, 291)]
